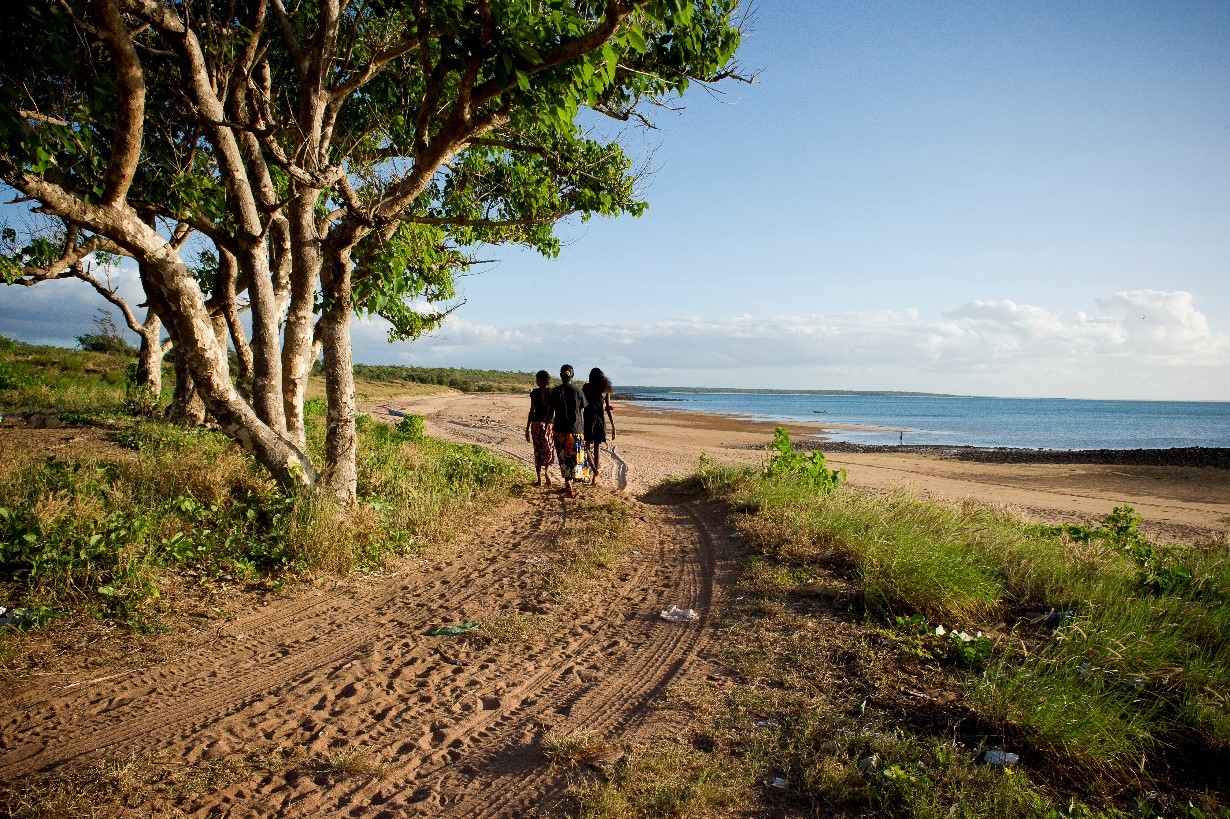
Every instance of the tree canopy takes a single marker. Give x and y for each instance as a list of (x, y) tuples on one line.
[(336, 156)]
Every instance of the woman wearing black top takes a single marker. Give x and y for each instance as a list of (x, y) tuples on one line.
[(538, 427), (597, 393), (568, 404)]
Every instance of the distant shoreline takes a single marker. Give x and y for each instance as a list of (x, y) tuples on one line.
[(1190, 456), (635, 394)]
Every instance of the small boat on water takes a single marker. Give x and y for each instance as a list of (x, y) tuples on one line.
[(820, 412)]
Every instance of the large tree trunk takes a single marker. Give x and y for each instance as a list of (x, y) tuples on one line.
[(341, 440), (167, 279), (297, 341)]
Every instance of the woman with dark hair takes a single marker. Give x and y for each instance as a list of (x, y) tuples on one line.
[(538, 427), (568, 404), (597, 392)]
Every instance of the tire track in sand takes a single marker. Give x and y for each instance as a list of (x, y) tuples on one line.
[(268, 653), (455, 725), (508, 776)]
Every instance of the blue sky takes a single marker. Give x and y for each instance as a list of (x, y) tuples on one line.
[(981, 198)]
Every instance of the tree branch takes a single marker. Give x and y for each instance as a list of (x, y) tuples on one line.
[(129, 104)]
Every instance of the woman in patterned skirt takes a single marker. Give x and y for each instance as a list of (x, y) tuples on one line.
[(568, 406), (538, 427)]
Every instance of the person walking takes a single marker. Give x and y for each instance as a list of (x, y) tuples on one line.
[(538, 427), (597, 392), (568, 406)]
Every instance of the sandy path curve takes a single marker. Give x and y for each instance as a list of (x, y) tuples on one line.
[(454, 727)]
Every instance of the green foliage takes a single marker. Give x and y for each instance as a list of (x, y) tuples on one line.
[(1158, 568), (456, 378), (11, 377), (812, 470), (939, 643), (1103, 691), (411, 428)]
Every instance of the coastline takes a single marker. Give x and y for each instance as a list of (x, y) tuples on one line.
[(1184, 495)]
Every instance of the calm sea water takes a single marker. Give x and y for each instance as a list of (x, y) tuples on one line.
[(1035, 423)]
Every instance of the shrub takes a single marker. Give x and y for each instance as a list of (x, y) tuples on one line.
[(812, 470)]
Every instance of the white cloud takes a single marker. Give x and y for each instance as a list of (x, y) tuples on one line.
[(1133, 344), (982, 347), (56, 312)]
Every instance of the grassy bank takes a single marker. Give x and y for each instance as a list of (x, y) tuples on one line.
[(464, 380), (99, 522), (883, 645)]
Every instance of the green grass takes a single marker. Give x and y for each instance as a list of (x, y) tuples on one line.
[(98, 531), (464, 380), (591, 543), (1117, 709), (66, 382), (665, 779)]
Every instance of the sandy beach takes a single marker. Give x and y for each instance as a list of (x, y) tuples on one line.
[(1181, 504)]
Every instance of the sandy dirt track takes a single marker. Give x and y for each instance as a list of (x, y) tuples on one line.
[(452, 727)]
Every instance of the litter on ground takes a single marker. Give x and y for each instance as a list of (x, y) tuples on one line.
[(453, 630), (1000, 759), (677, 615)]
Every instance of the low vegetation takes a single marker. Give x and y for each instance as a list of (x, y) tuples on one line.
[(900, 657), (458, 379), (589, 546), (99, 531)]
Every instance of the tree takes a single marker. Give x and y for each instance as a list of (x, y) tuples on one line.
[(54, 252), (339, 156)]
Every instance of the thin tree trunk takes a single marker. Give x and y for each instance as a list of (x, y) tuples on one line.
[(297, 341), (341, 440), (266, 346), (228, 279), (149, 357)]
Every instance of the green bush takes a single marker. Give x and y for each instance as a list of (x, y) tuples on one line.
[(412, 427), (812, 470)]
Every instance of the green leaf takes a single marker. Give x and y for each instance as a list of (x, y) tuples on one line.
[(635, 38)]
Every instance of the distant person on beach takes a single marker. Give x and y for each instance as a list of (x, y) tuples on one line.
[(568, 405), (597, 391), (538, 427)]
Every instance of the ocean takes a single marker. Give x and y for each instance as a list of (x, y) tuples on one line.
[(1030, 423)]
